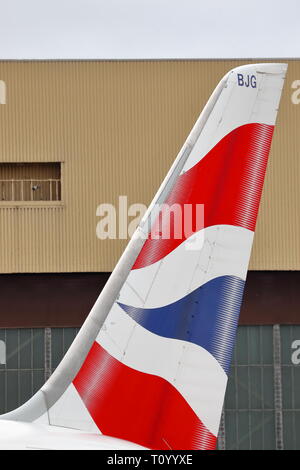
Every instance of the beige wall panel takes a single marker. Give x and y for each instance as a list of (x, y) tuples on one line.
[(116, 127)]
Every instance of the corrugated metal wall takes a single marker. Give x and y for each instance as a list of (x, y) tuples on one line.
[(116, 127)]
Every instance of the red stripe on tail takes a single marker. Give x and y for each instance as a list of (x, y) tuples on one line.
[(138, 407), (228, 181)]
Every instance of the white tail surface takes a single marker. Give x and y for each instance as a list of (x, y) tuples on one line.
[(150, 363)]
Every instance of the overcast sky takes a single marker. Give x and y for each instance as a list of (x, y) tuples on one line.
[(110, 29)]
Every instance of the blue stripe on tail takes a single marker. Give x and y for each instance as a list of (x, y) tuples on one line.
[(208, 316)]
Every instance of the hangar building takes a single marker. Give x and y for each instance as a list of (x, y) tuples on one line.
[(77, 134)]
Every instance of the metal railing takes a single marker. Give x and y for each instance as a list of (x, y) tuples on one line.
[(30, 190)]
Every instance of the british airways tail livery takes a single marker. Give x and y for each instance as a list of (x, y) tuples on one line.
[(149, 366)]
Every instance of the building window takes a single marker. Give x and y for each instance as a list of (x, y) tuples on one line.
[(30, 182)]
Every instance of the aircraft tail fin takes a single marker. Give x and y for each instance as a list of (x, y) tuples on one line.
[(150, 363)]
